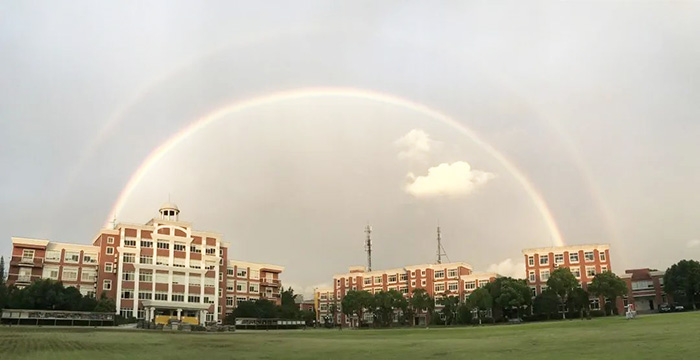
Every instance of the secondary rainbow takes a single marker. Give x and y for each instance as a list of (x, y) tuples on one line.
[(341, 92)]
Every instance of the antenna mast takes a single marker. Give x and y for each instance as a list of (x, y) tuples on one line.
[(440, 249), (368, 247)]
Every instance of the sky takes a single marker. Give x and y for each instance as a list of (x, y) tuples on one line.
[(590, 107)]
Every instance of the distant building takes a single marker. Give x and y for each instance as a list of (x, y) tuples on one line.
[(645, 289), (439, 280), (324, 300), (155, 271)]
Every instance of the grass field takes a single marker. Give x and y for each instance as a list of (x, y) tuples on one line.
[(647, 337)]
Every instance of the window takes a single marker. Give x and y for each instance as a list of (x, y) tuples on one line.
[(229, 271), (531, 276), (127, 293), (590, 271), (422, 283), (602, 255), (179, 262), (51, 256), (109, 250), (145, 295), (51, 273), (88, 275), (452, 273), (368, 281), (195, 280), (558, 258), (211, 251), (209, 282), (453, 287), (413, 283), (128, 276), (162, 260), (483, 283), (603, 268), (253, 288), (146, 259), (576, 271), (108, 267), (439, 287), (544, 275), (70, 274), (146, 276), (163, 245), (422, 273), (531, 260), (195, 264), (229, 301), (573, 257), (195, 249), (130, 242), (642, 285), (179, 279), (392, 278), (110, 240), (240, 286), (544, 259), (241, 299), (179, 247), (178, 297), (534, 291), (221, 276), (241, 273), (595, 304), (403, 290), (161, 295), (208, 300), (162, 278), (126, 312), (470, 285), (440, 274), (129, 258), (107, 285), (377, 279), (220, 292), (71, 257), (146, 243), (402, 277), (193, 299), (588, 256)]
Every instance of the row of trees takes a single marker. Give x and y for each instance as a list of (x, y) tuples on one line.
[(265, 309), (505, 298), (47, 294)]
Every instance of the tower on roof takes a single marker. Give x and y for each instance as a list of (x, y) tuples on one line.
[(169, 211)]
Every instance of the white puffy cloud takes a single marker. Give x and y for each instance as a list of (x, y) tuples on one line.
[(415, 145), (509, 268), (446, 179), (693, 243), (306, 291)]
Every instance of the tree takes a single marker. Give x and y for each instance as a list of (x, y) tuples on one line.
[(420, 302), (105, 304), (449, 308), (608, 285), (355, 302), (579, 301), (289, 308), (510, 295), (2, 270), (546, 303), (481, 300), (383, 307), (464, 313), (563, 283), (683, 280)]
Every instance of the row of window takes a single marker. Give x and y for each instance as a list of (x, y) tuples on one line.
[(69, 274), (163, 296), (177, 279), (588, 256), (439, 274), (55, 256), (128, 258), (544, 274)]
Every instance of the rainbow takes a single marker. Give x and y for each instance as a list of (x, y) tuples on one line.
[(342, 92)]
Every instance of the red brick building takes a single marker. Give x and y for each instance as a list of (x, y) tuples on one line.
[(645, 289), (439, 280), (155, 271)]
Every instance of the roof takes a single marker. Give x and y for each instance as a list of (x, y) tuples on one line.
[(451, 265), (29, 241), (256, 266), (169, 206), (568, 248)]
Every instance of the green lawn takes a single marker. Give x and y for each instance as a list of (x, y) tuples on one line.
[(647, 337)]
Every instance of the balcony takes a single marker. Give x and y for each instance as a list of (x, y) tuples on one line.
[(269, 282), (26, 261), (24, 278)]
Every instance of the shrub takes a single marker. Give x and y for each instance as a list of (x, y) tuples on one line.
[(597, 313)]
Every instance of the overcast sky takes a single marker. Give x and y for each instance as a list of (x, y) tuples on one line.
[(595, 103)]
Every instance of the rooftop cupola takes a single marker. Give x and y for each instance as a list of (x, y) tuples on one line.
[(169, 211)]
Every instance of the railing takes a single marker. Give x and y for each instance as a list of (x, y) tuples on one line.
[(34, 261), (269, 282)]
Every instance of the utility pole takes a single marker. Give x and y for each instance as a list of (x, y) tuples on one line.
[(368, 246)]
